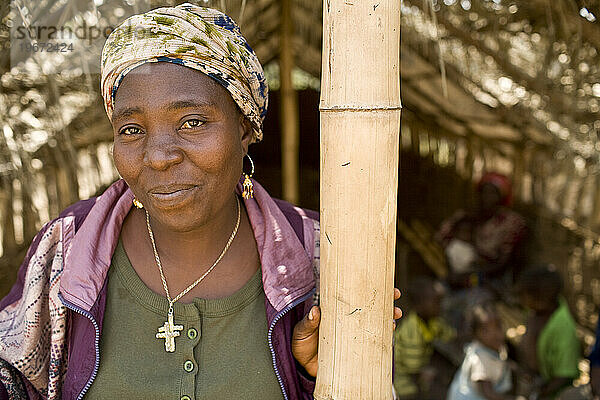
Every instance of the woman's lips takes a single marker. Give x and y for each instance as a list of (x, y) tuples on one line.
[(172, 195)]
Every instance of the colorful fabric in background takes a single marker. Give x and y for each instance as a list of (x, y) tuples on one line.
[(413, 348), (199, 38)]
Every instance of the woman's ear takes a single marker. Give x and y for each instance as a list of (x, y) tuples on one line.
[(247, 133)]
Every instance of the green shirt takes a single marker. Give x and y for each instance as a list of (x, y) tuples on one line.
[(222, 352), (558, 349)]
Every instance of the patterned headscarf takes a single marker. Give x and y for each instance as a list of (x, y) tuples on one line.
[(200, 38)]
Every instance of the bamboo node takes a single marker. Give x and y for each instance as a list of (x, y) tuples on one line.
[(360, 109)]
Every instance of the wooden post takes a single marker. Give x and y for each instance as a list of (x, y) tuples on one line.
[(360, 125), (9, 243), (288, 108), (518, 172), (67, 186), (595, 217)]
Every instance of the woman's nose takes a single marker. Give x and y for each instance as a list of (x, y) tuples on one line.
[(161, 151)]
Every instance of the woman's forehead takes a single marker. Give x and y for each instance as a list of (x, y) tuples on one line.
[(169, 85), (166, 74)]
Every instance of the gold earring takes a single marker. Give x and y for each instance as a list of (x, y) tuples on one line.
[(248, 192), (137, 203)]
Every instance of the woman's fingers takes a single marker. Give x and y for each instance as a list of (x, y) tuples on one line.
[(397, 310), (397, 313), (305, 341), (308, 325)]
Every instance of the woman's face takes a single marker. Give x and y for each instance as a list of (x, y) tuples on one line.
[(489, 198), (179, 140)]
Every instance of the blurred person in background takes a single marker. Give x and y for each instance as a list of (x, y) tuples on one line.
[(594, 359), (550, 349), (483, 245), (482, 248), (485, 373), (414, 339)]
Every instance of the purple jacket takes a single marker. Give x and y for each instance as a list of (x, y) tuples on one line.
[(287, 238)]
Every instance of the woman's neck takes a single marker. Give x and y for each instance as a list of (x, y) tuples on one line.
[(199, 246), (185, 256)]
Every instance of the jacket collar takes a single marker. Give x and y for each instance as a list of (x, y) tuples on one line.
[(286, 267)]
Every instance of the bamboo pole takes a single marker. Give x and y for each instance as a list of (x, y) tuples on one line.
[(360, 121), (288, 109)]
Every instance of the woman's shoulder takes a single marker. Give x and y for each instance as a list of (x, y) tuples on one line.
[(445, 231), (288, 208), (511, 216), (302, 220), (79, 210), (44, 244), (76, 212)]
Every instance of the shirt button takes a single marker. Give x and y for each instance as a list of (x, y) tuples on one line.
[(188, 366), (185, 398), (192, 333)]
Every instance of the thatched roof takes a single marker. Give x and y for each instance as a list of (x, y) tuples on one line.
[(508, 71)]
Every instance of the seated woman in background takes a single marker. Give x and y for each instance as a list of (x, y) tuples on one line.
[(482, 246), (482, 249), (206, 287)]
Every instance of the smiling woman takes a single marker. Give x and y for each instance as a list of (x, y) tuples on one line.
[(197, 291), (184, 294)]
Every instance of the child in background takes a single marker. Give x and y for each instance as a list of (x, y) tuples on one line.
[(550, 348), (484, 373), (413, 340)]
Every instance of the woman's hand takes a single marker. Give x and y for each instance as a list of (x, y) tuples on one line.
[(305, 339)]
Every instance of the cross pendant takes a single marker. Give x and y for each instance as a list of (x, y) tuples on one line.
[(169, 332)]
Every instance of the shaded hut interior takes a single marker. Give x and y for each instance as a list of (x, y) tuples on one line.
[(490, 85)]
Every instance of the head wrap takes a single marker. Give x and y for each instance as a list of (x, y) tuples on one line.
[(500, 182), (196, 37)]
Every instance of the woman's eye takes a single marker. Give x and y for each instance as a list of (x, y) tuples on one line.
[(191, 124), (130, 130)]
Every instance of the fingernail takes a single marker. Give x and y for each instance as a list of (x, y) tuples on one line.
[(311, 314)]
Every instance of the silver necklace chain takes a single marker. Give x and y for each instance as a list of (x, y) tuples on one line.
[(197, 281)]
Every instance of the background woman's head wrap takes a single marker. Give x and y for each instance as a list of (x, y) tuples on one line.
[(200, 38), (500, 182)]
